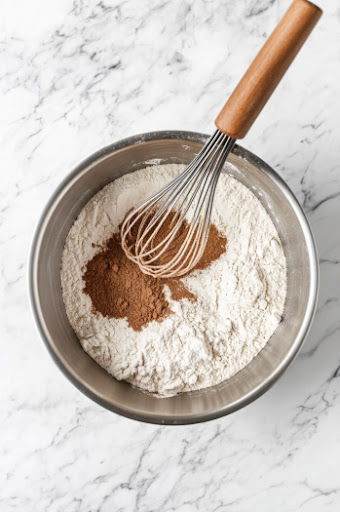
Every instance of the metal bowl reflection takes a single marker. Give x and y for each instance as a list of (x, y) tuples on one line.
[(130, 155)]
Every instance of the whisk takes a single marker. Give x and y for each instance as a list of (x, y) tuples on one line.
[(166, 234)]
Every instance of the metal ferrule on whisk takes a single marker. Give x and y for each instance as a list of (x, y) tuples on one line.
[(186, 203)]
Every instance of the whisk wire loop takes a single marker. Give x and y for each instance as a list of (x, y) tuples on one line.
[(180, 211)]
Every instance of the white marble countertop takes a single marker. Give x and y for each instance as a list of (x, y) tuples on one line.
[(76, 75)]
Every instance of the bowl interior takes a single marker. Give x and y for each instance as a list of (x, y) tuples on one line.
[(86, 180)]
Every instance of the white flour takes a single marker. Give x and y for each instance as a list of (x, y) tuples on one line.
[(240, 297)]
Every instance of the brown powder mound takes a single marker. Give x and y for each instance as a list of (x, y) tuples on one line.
[(118, 289)]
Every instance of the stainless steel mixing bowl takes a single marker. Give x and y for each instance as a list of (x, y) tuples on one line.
[(127, 156)]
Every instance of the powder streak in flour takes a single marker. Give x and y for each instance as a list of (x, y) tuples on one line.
[(240, 297)]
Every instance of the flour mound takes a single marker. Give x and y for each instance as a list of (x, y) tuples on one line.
[(240, 297)]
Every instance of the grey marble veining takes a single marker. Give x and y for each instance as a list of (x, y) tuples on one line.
[(74, 76)]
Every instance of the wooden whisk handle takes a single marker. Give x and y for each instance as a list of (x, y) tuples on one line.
[(267, 69)]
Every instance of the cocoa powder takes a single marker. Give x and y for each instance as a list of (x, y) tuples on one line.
[(118, 289)]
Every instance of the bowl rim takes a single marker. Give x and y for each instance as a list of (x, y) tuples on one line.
[(276, 373)]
